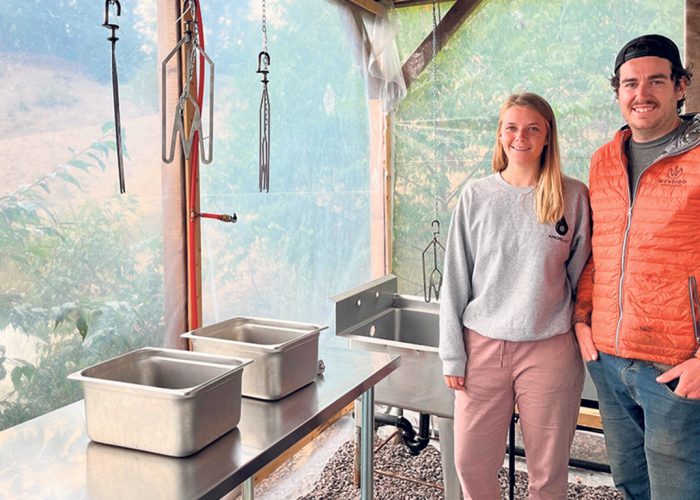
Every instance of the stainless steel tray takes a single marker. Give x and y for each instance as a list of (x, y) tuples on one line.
[(164, 401), (285, 352)]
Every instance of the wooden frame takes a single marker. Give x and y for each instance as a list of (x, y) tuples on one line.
[(174, 201), (692, 53), (447, 26)]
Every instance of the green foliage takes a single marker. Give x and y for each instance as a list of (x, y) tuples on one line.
[(562, 50), (78, 284)]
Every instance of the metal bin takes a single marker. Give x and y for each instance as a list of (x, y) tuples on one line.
[(285, 352), (164, 401)]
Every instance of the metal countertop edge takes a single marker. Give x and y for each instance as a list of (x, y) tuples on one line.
[(238, 476)]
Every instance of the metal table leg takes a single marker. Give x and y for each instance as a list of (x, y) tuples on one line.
[(367, 446), (511, 457), (248, 489), (453, 490)]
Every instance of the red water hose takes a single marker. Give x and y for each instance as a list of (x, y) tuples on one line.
[(193, 223)]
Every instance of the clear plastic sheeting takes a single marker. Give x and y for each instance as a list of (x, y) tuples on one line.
[(382, 59), (308, 238), (84, 269), (563, 50), (81, 265), (84, 272)]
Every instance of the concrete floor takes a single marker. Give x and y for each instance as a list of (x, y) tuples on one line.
[(297, 476)]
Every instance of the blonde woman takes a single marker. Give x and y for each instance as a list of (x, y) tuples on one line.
[(517, 244)]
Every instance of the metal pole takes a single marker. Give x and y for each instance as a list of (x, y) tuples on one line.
[(511, 459), (248, 489), (367, 446)]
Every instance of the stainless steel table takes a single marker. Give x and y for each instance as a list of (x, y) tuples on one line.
[(52, 457)]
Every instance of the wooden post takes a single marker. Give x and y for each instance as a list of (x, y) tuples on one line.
[(692, 53), (173, 194), (194, 285), (388, 194), (380, 193)]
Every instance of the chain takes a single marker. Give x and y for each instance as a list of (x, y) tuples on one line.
[(434, 137), (264, 26), (264, 144), (193, 39)]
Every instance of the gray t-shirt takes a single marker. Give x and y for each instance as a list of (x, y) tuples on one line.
[(507, 276), (642, 154)]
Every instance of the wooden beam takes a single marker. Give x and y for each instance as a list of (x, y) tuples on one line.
[(173, 194), (193, 231), (388, 195), (692, 53), (410, 3), (449, 24), (370, 6), (587, 417), (380, 189), (377, 169)]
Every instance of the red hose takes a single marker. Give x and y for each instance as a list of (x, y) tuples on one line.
[(193, 222)]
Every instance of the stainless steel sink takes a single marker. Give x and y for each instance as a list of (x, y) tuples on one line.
[(414, 328), (375, 317)]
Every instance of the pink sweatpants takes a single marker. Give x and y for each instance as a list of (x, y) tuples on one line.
[(545, 379)]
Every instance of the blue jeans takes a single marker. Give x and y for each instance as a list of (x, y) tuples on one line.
[(652, 435)]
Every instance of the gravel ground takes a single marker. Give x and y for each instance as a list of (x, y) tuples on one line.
[(336, 479)]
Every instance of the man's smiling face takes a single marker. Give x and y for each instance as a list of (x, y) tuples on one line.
[(648, 97)]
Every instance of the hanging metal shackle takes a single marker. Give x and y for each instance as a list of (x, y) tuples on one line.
[(106, 23), (263, 65), (115, 88)]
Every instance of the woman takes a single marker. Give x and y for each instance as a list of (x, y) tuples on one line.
[(518, 241)]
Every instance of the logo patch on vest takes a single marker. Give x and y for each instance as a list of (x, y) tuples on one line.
[(674, 177)]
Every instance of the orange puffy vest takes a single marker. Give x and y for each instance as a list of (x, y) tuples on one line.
[(642, 279)]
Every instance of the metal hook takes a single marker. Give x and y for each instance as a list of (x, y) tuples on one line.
[(107, 24), (263, 69), (188, 6), (187, 139), (115, 88), (432, 281)]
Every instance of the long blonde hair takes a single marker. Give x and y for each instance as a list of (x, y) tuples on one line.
[(549, 194)]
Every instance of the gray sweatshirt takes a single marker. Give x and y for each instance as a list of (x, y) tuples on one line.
[(507, 276)]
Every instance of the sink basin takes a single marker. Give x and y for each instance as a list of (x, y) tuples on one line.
[(400, 327), (163, 401), (375, 317)]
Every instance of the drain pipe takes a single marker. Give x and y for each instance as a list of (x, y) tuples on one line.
[(415, 444)]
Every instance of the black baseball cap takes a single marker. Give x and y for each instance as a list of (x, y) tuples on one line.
[(649, 45)]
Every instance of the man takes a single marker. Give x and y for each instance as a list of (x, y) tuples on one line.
[(641, 283)]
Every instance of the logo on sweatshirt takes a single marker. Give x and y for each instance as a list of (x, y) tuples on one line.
[(673, 177), (561, 227)]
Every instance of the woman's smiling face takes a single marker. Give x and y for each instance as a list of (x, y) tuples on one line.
[(523, 136)]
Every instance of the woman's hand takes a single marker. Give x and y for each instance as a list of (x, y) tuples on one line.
[(453, 382)]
